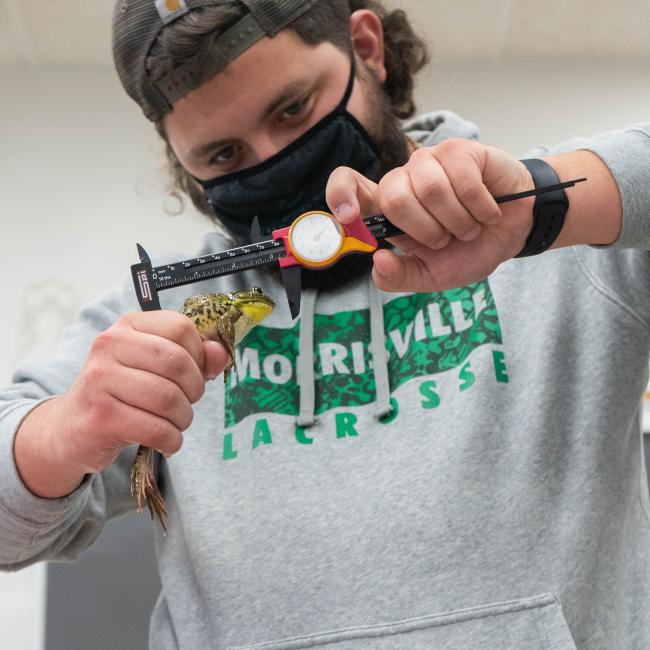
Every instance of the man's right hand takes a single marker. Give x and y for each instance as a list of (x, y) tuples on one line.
[(137, 386)]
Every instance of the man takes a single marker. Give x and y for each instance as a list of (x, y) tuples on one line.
[(455, 468)]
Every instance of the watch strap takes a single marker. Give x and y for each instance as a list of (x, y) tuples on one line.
[(549, 210)]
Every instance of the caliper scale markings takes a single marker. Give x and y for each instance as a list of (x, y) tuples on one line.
[(216, 264), (197, 269)]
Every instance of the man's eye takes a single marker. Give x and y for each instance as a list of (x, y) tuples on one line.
[(295, 108), (224, 155)]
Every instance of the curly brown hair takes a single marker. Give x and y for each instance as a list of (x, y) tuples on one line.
[(189, 37)]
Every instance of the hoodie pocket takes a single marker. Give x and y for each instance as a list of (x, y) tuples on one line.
[(535, 623)]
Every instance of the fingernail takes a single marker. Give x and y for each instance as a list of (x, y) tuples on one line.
[(212, 372), (343, 211), (213, 344), (473, 234), (379, 272), (442, 242)]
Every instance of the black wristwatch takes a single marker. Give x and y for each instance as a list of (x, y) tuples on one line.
[(549, 210)]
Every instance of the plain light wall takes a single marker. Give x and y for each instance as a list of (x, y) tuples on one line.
[(80, 181), (520, 105), (79, 185)]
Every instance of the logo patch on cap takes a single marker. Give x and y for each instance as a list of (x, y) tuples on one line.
[(169, 10)]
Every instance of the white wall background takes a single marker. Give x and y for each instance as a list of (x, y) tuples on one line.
[(79, 186)]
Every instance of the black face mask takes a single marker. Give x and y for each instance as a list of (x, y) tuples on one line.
[(293, 181)]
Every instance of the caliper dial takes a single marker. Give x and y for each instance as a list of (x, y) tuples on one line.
[(316, 238)]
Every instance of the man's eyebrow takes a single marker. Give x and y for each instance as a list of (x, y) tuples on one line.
[(290, 91), (204, 149)]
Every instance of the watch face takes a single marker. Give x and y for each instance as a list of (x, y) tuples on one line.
[(316, 237)]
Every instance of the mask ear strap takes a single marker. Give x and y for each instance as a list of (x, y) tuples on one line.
[(348, 90)]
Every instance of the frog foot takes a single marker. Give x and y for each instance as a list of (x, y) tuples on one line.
[(144, 487)]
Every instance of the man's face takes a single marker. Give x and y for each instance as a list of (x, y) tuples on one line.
[(263, 101), (267, 98)]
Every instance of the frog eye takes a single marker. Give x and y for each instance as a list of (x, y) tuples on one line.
[(256, 290)]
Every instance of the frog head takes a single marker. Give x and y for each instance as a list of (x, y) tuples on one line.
[(228, 317), (254, 304)]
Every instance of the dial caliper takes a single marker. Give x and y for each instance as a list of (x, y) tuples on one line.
[(314, 240)]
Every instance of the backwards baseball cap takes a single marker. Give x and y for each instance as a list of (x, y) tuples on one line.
[(137, 24)]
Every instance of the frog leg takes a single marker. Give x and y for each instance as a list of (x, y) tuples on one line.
[(226, 330), (144, 487)]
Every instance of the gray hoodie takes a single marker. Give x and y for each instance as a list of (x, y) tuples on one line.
[(460, 469)]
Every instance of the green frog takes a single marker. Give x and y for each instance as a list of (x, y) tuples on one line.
[(222, 317)]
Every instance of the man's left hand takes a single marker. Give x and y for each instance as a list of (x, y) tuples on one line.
[(442, 199)]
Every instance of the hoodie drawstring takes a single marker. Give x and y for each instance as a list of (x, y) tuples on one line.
[(305, 369), (305, 364), (379, 353)]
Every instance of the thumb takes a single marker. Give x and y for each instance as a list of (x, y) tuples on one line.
[(392, 272), (351, 195), (215, 359), (504, 174)]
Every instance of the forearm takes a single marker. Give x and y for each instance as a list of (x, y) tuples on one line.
[(40, 453), (595, 208)]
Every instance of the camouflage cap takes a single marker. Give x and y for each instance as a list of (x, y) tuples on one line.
[(137, 24)]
